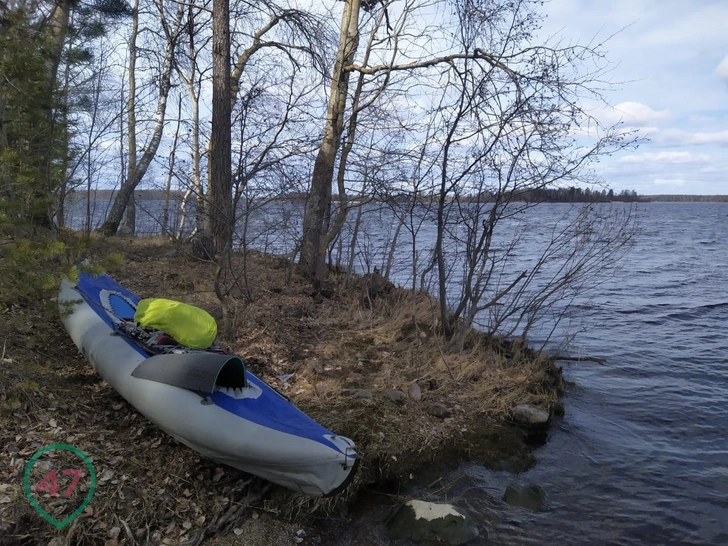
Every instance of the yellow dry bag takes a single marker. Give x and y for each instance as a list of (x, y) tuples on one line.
[(189, 325)]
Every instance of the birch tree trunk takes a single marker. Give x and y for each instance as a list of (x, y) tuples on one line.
[(59, 21), (193, 84), (318, 206), (63, 188), (170, 173), (139, 169), (131, 160)]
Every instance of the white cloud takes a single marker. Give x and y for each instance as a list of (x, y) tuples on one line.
[(706, 119), (638, 114), (720, 137), (678, 137), (722, 69), (678, 158)]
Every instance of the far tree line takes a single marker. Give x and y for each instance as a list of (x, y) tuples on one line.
[(579, 195), (549, 195)]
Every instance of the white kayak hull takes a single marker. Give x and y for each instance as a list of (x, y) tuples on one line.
[(274, 451)]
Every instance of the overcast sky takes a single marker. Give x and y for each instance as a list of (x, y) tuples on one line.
[(672, 56)]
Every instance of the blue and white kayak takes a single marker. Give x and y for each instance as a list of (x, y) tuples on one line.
[(206, 400)]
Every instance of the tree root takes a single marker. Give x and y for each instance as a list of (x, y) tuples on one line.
[(229, 518)]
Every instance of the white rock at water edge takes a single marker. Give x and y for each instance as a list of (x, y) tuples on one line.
[(427, 521)]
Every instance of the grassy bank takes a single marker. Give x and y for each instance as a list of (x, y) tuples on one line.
[(374, 370)]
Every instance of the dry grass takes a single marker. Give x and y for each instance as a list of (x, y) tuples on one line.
[(335, 347)]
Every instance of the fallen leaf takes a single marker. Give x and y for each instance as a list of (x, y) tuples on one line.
[(106, 475), (237, 531)]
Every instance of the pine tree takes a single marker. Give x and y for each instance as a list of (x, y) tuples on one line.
[(31, 138), (34, 143)]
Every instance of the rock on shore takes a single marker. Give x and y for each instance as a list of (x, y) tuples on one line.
[(529, 495), (531, 416)]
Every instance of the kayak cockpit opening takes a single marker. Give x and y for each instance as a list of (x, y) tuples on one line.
[(232, 374)]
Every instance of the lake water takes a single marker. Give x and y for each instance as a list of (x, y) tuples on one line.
[(641, 456)]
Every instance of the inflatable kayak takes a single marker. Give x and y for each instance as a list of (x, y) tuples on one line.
[(206, 399)]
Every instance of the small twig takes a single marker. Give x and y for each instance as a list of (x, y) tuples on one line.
[(70, 532), (196, 6), (383, 494), (596, 359), (128, 531), (230, 517), (446, 486), (433, 483), (444, 361)]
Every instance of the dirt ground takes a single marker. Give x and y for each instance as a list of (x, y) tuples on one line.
[(340, 355)]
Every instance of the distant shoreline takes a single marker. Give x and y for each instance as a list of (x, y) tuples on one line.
[(684, 198), (159, 195)]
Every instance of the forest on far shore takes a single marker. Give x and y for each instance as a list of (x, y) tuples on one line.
[(591, 195), (546, 195)]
